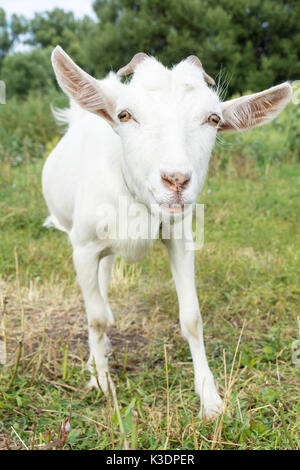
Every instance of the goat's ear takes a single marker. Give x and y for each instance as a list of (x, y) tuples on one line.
[(80, 86), (254, 110)]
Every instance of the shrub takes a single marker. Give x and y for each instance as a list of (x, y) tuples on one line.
[(27, 126)]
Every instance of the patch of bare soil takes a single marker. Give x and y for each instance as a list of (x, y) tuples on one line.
[(54, 315)]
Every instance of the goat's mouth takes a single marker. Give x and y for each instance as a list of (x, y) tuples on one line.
[(172, 208)]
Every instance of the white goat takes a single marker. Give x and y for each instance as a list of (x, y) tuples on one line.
[(147, 141)]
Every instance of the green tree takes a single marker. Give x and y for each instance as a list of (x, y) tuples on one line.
[(253, 43), (25, 72), (256, 43), (60, 27), (9, 33), (5, 38)]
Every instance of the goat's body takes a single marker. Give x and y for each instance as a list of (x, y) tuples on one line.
[(81, 175), (113, 181), (85, 166), (80, 154)]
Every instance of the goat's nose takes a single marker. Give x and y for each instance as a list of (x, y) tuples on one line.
[(175, 181)]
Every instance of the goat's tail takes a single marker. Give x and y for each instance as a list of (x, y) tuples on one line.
[(52, 221), (68, 115)]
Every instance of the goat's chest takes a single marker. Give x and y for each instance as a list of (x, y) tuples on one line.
[(132, 250), (130, 234)]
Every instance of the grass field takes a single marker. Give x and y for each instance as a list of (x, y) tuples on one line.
[(248, 284)]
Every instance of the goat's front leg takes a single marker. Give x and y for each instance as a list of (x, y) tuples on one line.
[(104, 275), (86, 261), (182, 267)]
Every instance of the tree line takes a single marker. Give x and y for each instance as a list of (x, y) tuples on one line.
[(247, 44)]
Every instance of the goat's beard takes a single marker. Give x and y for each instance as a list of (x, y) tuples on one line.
[(174, 204)]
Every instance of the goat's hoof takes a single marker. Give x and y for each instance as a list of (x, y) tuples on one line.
[(103, 381), (212, 410), (209, 414), (92, 383)]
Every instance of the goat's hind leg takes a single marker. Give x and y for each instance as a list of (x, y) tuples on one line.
[(86, 261)]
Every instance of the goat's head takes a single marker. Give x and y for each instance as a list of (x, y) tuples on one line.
[(167, 120)]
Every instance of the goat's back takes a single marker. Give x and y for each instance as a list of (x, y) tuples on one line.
[(88, 148)]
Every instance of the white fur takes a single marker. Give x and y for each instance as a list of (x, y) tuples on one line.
[(101, 161)]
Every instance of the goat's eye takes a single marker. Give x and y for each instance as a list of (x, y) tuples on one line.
[(124, 116), (213, 120)]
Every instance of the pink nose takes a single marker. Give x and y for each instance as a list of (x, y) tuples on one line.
[(176, 182)]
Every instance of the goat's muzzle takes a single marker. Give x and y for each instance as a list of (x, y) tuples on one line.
[(175, 182)]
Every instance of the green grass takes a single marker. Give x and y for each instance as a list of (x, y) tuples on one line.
[(248, 283)]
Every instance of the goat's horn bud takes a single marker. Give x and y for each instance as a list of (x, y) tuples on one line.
[(193, 59), (130, 68)]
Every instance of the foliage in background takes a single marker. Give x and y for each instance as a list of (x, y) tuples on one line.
[(48, 29), (24, 73), (9, 32), (255, 43), (27, 127)]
